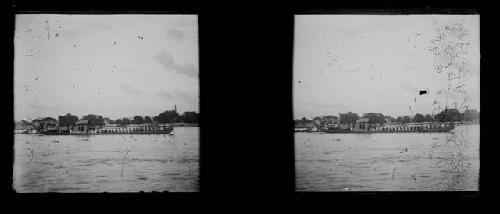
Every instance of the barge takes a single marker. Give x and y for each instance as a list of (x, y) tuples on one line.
[(100, 132), (404, 130), (83, 127)]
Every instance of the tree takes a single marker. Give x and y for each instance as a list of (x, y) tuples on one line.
[(95, 120), (67, 120), (348, 118), (428, 118), (375, 117), (418, 118), (448, 115), (389, 118), (119, 122), (100, 121), (168, 117), (125, 121), (470, 115), (406, 119), (147, 119), (108, 120), (49, 119), (25, 123), (37, 123), (399, 119), (189, 117), (138, 120), (44, 123)]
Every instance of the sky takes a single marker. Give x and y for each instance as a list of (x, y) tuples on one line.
[(111, 65), (380, 63)]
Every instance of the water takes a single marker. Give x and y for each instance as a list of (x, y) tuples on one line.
[(107, 163), (388, 162)]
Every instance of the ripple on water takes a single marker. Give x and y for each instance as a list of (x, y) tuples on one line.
[(96, 163), (437, 161)]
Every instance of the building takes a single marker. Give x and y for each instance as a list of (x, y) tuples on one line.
[(305, 125), (330, 120), (362, 124), (81, 127), (326, 121)]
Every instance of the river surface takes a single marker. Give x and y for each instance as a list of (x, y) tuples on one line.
[(388, 162), (107, 163)]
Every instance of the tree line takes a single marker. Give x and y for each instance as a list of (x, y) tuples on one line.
[(447, 115), (98, 120)]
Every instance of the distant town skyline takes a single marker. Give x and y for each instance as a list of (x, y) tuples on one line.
[(361, 114), (380, 63), (111, 65)]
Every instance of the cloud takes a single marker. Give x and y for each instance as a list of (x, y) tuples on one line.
[(351, 32), (129, 90), (188, 97), (128, 70), (175, 35), (449, 93), (412, 68), (348, 70), (71, 34), (165, 95), (169, 63), (186, 21), (407, 87)]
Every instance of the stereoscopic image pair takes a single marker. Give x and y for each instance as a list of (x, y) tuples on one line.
[(110, 103)]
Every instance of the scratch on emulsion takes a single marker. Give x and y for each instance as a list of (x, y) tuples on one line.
[(450, 48)]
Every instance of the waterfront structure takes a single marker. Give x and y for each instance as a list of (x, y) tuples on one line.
[(306, 125), (362, 124), (23, 127), (326, 121), (81, 127)]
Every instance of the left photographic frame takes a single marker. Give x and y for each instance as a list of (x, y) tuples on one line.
[(106, 103)]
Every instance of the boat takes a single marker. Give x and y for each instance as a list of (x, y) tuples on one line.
[(90, 131), (165, 130), (415, 130)]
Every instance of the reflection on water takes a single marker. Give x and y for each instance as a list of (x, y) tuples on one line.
[(388, 162), (107, 163)]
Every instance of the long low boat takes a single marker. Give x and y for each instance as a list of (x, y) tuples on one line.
[(166, 130), (432, 130)]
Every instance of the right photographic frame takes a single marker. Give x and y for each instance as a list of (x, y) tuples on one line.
[(386, 102)]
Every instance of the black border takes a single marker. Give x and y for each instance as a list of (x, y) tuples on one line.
[(55, 8), (246, 58), (428, 195)]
